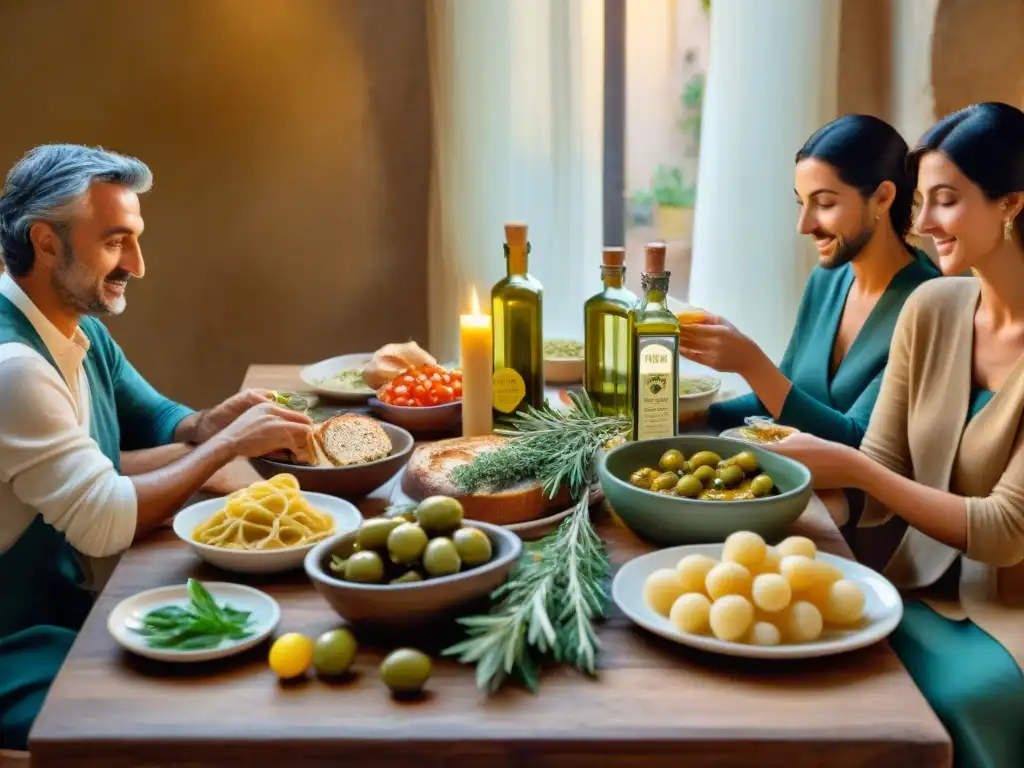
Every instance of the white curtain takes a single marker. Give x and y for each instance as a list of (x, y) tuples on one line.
[(517, 91)]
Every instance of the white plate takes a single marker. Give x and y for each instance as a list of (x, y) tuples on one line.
[(265, 615), (883, 608), (346, 518), (312, 375), (735, 434)]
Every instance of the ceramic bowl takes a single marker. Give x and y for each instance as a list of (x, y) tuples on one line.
[(352, 482), (346, 518), (313, 377), (698, 402), (426, 419), (391, 606), (670, 520), (564, 370)]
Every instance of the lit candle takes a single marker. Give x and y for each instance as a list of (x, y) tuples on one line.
[(477, 370)]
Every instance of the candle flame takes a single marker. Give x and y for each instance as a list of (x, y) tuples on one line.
[(474, 303)]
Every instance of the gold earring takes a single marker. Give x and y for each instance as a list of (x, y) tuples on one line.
[(1007, 229)]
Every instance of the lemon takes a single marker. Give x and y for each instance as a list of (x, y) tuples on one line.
[(290, 655)]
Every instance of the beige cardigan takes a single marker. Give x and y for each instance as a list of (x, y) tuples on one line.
[(918, 430)]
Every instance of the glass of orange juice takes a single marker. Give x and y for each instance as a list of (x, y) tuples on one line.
[(691, 316)]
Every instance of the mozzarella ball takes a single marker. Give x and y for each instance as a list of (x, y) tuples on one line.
[(661, 589), (803, 573), (803, 623), (764, 633), (728, 579), (797, 545), (691, 613), (745, 548), (771, 592), (845, 603), (770, 564), (731, 617), (693, 571)]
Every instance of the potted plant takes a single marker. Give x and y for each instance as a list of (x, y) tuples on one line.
[(673, 203)]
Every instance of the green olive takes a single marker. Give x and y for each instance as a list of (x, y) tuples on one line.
[(373, 534), (365, 568), (671, 460), (705, 458), (407, 577), (688, 486), (641, 478), (473, 546), (334, 651), (348, 545), (439, 515), (730, 476), (705, 474), (406, 543), (761, 485), (687, 468), (441, 558), (665, 481), (405, 670), (746, 461)]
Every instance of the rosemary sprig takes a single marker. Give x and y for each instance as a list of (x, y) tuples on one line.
[(556, 592)]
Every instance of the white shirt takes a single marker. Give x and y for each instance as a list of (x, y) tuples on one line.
[(49, 463)]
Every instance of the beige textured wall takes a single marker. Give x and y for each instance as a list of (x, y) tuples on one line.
[(865, 58), (290, 143)]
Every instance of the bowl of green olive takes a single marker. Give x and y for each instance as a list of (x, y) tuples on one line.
[(413, 568), (695, 489)]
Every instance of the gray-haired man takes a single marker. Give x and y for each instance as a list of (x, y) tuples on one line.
[(70, 225)]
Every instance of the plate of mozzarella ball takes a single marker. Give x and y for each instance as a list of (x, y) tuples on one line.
[(746, 598)]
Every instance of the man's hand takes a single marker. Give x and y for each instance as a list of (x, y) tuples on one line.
[(717, 344), (267, 428), (206, 424)]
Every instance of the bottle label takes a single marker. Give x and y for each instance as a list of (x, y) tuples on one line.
[(656, 387), (509, 389)]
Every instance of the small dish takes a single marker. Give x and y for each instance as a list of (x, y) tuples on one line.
[(353, 481), (743, 433), (346, 518), (266, 614), (416, 603), (700, 401), (315, 377), (882, 611), (422, 419)]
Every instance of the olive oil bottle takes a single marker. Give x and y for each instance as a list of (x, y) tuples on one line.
[(655, 353), (608, 374), (517, 314)]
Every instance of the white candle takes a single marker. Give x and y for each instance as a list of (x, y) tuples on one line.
[(477, 370)]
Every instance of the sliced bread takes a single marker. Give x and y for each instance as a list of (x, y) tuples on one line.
[(428, 473), (351, 438)]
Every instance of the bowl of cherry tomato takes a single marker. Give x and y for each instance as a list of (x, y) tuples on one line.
[(425, 398)]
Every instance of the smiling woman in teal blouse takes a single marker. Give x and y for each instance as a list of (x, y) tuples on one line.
[(855, 198)]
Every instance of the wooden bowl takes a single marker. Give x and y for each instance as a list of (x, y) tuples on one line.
[(349, 482), (393, 606), (420, 419)]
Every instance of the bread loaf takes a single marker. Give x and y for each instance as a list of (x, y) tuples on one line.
[(428, 473)]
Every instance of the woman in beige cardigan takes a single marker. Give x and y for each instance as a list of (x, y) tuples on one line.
[(942, 463)]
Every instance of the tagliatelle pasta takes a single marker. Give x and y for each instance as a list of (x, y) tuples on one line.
[(270, 514)]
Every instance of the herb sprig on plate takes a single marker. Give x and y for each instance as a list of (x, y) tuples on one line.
[(200, 625), (552, 598)]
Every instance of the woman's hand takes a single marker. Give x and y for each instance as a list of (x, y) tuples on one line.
[(832, 465), (716, 343)]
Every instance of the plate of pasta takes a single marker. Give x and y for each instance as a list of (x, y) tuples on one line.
[(267, 527)]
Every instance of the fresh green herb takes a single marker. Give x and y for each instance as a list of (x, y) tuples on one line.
[(200, 625), (556, 592)]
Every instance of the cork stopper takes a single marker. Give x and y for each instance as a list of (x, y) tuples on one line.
[(613, 257), (654, 258), (515, 234)]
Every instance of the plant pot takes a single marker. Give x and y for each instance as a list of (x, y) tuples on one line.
[(673, 222)]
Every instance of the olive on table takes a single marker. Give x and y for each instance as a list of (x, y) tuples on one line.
[(373, 534), (439, 515), (665, 481), (643, 478), (671, 460), (705, 458), (441, 558), (730, 476), (407, 578), (365, 568), (405, 670), (473, 546), (705, 474), (689, 486), (334, 651), (761, 485), (406, 543)]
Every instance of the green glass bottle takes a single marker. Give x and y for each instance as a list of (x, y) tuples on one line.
[(517, 316), (608, 373), (655, 353)]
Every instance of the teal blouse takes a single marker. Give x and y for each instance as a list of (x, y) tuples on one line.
[(39, 618), (835, 406)]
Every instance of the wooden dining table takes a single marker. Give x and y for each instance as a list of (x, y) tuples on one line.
[(652, 700)]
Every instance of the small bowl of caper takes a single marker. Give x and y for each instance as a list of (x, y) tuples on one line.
[(693, 488), (414, 568)]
